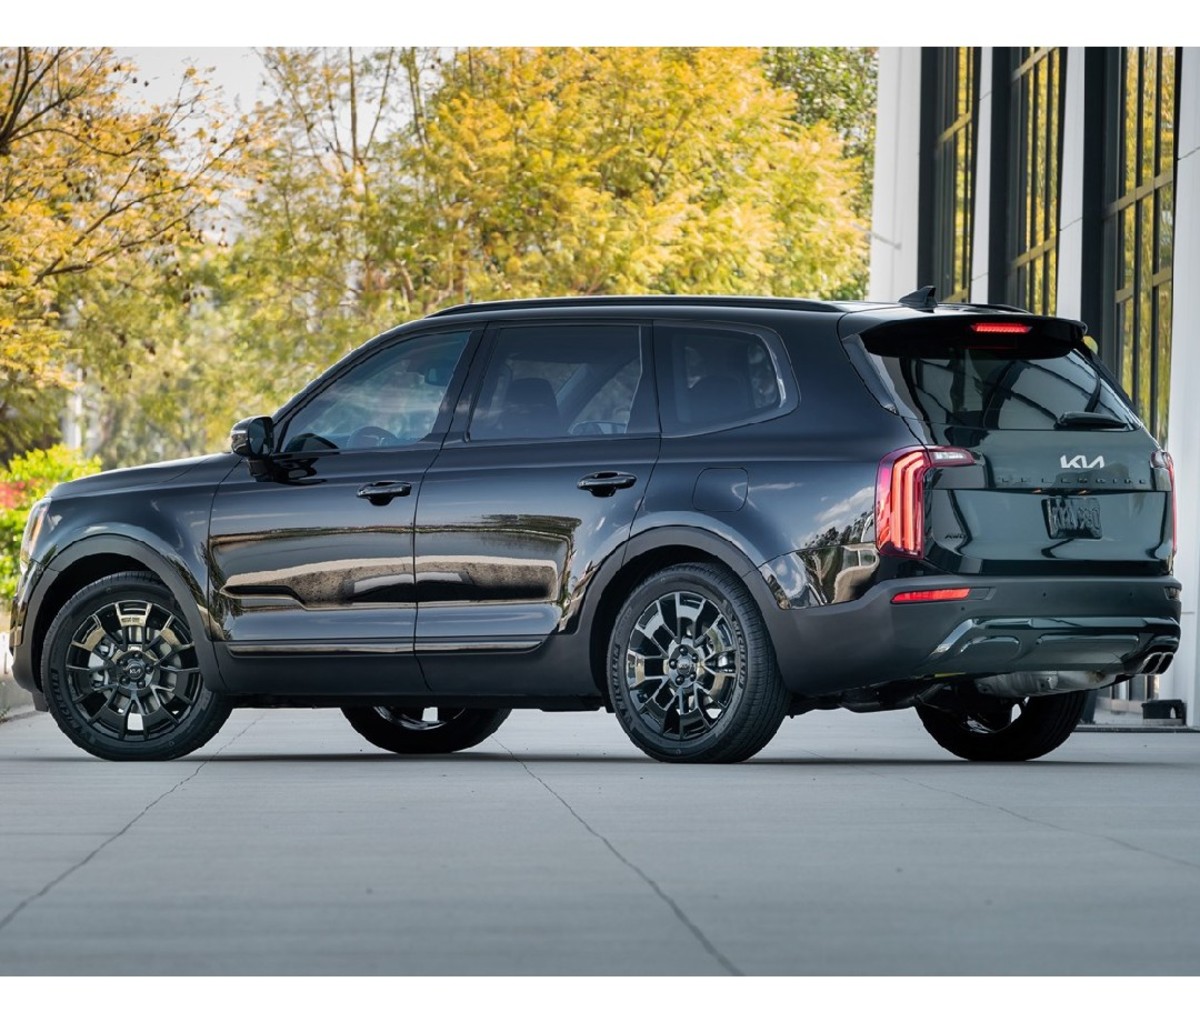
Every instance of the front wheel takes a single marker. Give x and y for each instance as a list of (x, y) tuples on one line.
[(120, 672), (1005, 730), (691, 671), (423, 730)]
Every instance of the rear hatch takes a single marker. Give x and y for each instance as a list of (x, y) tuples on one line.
[(1062, 475)]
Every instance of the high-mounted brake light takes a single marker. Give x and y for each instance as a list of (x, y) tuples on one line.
[(931, 595), (1161, 459), (900, 496), (1001, 328)]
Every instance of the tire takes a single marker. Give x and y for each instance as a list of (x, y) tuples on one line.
[(1042, 724), (125, 690), (413, 731), (691, 671)]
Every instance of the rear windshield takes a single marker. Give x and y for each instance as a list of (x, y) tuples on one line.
[(999, 384)]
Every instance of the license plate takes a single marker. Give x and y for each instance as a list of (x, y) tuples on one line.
[(1072, 517)]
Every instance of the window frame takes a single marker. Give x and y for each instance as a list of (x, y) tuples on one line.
[(1026, 246), (952, 147), (1146, 190), (789, 389)]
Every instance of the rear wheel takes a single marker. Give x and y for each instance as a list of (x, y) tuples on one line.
[(1005, 730), (691, 671), (423, 730), (120, 672)]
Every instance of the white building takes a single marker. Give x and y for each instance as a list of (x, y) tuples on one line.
[(1065, 180)]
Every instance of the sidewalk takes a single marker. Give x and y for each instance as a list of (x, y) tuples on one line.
[(1108, 720), (13, 698)]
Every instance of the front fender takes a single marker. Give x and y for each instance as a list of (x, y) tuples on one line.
[(186, 583)]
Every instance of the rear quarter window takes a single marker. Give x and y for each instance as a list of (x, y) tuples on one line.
[(715, 377)]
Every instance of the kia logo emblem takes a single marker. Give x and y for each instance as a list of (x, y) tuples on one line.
[(1080, 461)]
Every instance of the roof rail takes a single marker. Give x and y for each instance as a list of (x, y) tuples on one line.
[(741, 301)]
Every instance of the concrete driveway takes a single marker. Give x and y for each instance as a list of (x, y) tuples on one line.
[(851, 845)]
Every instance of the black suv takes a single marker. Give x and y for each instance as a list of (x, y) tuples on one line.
[(700, 513)]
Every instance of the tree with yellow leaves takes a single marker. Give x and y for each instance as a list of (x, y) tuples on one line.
[(583, 171), (98, 190)]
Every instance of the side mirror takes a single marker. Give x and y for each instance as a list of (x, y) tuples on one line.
[(253, 437)]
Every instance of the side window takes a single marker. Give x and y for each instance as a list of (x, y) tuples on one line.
[(390, 399), (716, 377), (564, 380)]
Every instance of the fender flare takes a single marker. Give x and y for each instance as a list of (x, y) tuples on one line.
[(175, 574), (716, 546)]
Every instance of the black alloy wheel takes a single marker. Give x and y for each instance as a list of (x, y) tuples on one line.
[(1005, 730), (691, 671), (121, 675), (424, 730)]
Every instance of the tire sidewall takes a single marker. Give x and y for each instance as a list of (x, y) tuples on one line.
[(203, 719), (671, 581), (1044, 724), (465, 731)]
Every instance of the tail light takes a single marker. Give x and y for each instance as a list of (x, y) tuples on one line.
[(900, 496), (1000, 328), (1161, 459), (931, 595)]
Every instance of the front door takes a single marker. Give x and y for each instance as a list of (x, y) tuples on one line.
[(312, 564), (537, 484)]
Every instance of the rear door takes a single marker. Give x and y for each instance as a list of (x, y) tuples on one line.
[(1064, 476), (536, 485)]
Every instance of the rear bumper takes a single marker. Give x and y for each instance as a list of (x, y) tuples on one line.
[(1110, 625)]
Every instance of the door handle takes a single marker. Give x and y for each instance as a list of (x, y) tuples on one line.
[(605, 484), (382, 493)]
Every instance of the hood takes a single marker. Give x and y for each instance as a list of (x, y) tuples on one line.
[(146, 477)]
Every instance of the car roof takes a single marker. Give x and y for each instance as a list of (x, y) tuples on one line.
[(661, 304), (611, 302)]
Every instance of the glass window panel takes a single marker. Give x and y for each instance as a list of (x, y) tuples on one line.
[(1144, 341), (389, 399), (1166, 113), (1129, 125), (1125, 333), (1035, 186), (558, 381), (1164, 203), (1164, 359), (953, 162), (1149, 103)]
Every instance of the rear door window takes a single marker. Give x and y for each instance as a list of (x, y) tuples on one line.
[(565, 380)]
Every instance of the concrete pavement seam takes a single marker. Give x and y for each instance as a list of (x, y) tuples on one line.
[(696, 932), (1054, 826), (1029, 819), (109, 840)]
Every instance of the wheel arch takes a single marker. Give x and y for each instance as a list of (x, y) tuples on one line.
[(651, 551), (91, 559)]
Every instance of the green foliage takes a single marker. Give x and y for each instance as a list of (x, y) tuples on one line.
[(27, 479), (99, 191), (373, 186), (622, 170), (835, 86)]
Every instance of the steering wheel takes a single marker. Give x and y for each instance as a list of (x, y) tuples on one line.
[(371, 436)]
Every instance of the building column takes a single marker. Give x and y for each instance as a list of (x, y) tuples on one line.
[(1069, 286), (894, 205), (983, 182), (1182, 681)]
